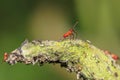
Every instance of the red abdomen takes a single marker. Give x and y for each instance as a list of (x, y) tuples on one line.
[(70, 32)]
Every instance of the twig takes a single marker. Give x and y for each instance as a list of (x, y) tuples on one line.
[(81, 57)]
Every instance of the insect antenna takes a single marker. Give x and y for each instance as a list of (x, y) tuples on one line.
[(74, 29), (75, 25)]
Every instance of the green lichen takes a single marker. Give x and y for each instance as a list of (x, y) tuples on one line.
[(81, 57)]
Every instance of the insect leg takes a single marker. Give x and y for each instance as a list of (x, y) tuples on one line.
[(75, 34), (72, 36)]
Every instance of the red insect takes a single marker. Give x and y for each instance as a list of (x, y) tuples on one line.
[(71, 32), (114, 56), (5, 57)]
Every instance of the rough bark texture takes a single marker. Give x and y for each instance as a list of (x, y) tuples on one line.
[(81, 57)]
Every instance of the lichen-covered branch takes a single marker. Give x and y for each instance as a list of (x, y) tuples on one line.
[(81, 57)]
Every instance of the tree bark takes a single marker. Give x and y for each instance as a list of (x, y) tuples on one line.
[(81, 57)]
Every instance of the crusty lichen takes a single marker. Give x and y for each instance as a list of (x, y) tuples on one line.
[(81, 57)]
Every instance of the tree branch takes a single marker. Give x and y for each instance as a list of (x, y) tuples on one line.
[(81, 57)]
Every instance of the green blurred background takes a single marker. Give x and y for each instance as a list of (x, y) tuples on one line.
[(99, 22)]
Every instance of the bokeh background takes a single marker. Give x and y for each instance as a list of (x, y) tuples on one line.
[(99, 22)]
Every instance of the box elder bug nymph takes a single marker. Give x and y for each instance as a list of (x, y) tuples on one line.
[(71, 32), (114, 56), (5, 57)]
